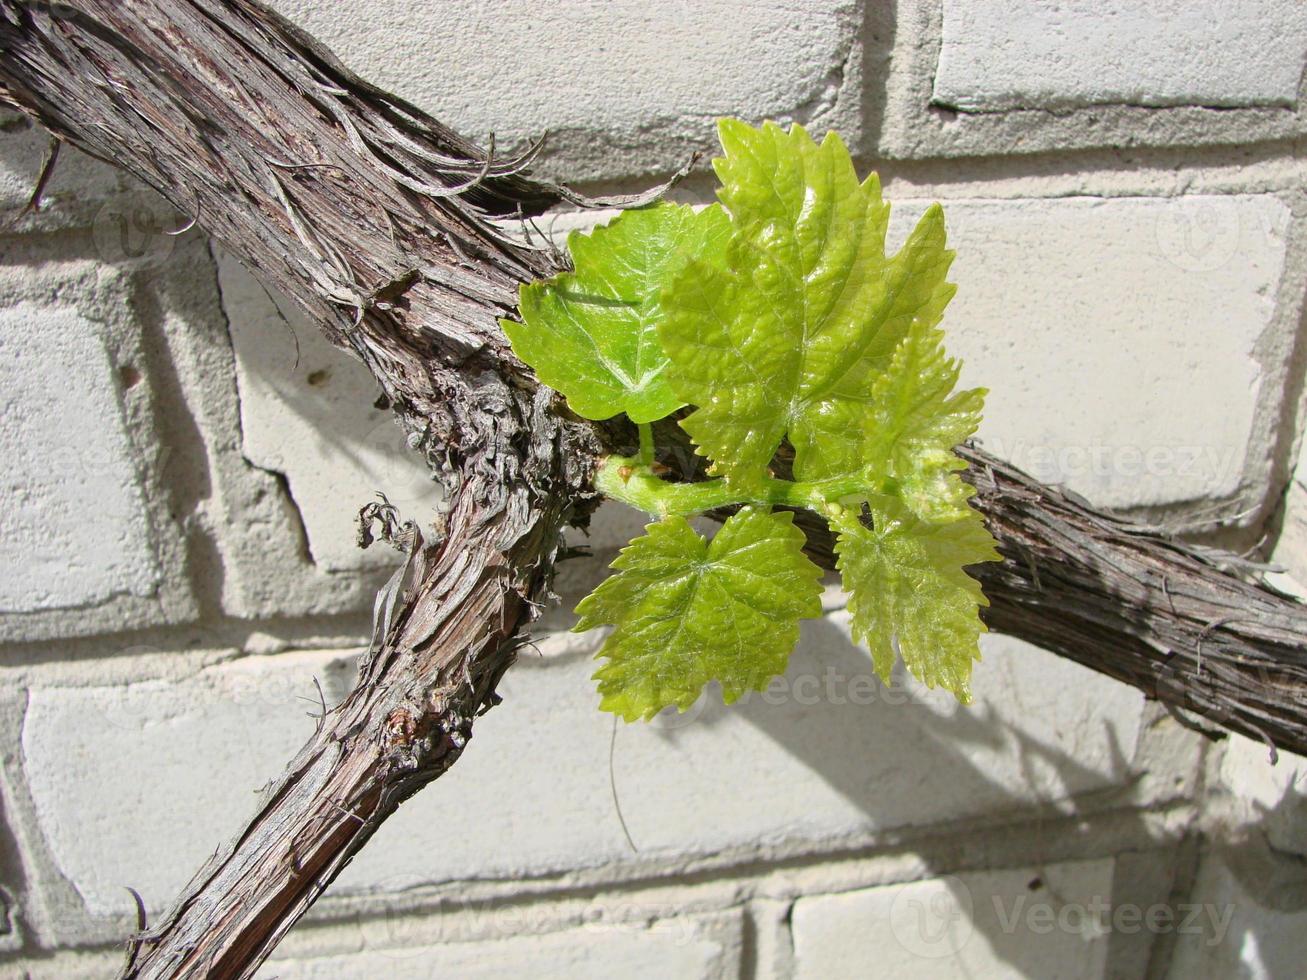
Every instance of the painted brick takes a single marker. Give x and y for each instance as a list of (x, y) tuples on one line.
[(67, 965), (1266, 797), (260, 556), (1290, 549), (1242, 927), (903, 45), (633, 86), (984, 925), (307, 412), (827, 756), (1118, 338), (670, 948), (1044, 54), (73, 528), (135, 784), (98, 492)]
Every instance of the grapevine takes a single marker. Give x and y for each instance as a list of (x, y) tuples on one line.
[(774, 314)]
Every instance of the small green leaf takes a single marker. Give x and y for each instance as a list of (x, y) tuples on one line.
[(590, 333), (907, 584), (688, 611), (790, 331), (916, 420)]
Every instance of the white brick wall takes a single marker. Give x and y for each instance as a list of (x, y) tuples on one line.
[(684, 947), (91, 538), (825, 758), (611, 82), (1251, 930), (1024, 54), (308, 412), (79, 529), (995, 923), (185, 456), (125, 808), (1094, 390)]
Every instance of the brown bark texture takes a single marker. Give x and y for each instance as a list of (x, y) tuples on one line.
[(378, 221)]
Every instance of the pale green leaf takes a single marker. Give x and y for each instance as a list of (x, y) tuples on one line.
[(790, 330), (590, 333), (916, 420), (822, 438), (688, 611), (907, 586)]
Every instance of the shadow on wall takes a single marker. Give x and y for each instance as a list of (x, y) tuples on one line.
[(901, 757), (1018, 874), (313, 414), (1254, 871)]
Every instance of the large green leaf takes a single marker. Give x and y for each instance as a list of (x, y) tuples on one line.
[(789, 333), (590, 333), (907, 586), (688, 611)]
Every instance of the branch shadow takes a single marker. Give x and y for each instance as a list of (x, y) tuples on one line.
[(1020, 773)]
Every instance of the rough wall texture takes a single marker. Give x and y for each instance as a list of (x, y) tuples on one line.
[(183, 456)]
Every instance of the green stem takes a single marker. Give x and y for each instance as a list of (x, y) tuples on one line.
[(630, 480), (646, 456)]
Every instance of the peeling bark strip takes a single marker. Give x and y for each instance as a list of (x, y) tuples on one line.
[(373, 217)]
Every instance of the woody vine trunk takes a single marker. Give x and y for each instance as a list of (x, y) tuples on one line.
[(375, 218)]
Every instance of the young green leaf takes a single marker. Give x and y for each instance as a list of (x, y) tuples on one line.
[(785, 319), (789, 332), (688, 611), (590, 333), (915, 421), (823, 447), (907, 584)]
